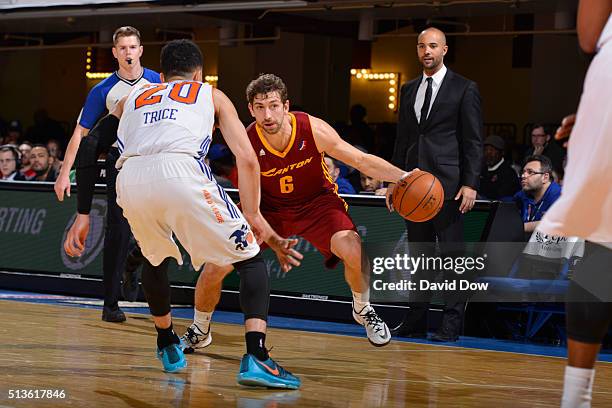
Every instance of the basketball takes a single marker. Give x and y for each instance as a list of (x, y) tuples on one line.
[(418, 197)]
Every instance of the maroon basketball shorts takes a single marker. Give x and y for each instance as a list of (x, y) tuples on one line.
[(316, 221)]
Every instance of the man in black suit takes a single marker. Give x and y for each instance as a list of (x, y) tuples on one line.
[(439, 131)]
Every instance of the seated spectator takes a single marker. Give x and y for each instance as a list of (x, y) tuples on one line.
[(538, 191), (344, 187), (9, 162), (542, 144), (55, 151), (42, 164), (369, 185), (499, 181), (14, 132), (26, 165)]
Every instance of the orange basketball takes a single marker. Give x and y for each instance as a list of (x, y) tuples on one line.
[(418, 197)]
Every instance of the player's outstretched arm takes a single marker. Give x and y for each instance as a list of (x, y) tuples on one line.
[(62, 184), (246, 162), (101, 137), (328, 141)]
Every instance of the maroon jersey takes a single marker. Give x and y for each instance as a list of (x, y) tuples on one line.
[(294, 177)]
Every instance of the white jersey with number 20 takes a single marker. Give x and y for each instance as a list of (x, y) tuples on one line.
[(174, 117)]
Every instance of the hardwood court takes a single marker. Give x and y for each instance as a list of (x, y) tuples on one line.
[(101, 364)]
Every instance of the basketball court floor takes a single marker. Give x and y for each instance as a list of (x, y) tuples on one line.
[(61, 344)]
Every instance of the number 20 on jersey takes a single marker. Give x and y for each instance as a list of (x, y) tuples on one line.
[(183, 92)]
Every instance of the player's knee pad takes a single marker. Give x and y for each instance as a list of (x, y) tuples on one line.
[(254, 287), (156, 287), (588, 308), (587, 317)]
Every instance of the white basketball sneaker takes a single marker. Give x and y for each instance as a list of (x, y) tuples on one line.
[(377, 330), (195, 338)]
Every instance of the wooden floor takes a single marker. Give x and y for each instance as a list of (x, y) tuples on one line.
[(100, 364)]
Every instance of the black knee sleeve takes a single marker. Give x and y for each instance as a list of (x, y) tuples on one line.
[(254, 288), (156, 287), (589, 306), (587, 321)]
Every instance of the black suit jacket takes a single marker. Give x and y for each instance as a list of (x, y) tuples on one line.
[(449, 143)]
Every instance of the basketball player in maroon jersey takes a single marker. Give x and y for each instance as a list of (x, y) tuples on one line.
[(300, 198)]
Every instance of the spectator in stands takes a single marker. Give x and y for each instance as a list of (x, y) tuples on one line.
[(498, 181), (45, 128), (542, 144), (344, 187), (41, 163), (9, 162), (55, 151), (538, 191), (359, 132), (369, 185), (26, 165), (14, 133), (55, 148)]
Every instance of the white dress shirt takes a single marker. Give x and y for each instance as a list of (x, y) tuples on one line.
[(438, 77)]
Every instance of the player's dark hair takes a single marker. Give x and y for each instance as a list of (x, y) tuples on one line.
[(125, 31), (180, 58), (264, 84), (545, 164)]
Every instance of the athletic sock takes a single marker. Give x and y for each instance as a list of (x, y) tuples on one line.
[(577, 387), (361, 300), (166, 337), (256, 345), (202, 319)]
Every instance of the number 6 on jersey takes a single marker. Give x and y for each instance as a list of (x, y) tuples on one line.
[(286, 184)]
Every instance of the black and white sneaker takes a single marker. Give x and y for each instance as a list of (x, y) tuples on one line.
[(194, 338), (377, 330)]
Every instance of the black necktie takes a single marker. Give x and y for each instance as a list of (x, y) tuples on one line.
[(425, 107)]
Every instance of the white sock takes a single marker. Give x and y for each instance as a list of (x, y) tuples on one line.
[(577, 387), (361, 300), (202, 319)]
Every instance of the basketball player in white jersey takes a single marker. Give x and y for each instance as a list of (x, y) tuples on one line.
[(585, 207), (166, 190)]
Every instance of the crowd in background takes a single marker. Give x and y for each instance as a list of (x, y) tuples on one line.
[(533, 182), (34, 154)]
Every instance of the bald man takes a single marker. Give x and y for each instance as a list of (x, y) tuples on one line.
[(440, 131)]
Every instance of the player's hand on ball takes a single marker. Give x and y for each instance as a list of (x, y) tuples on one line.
[(389, 196), (287, 256), (391, 189), (74, 245), (62, 184)]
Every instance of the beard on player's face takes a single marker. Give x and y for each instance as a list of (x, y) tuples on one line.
[(272, 125)]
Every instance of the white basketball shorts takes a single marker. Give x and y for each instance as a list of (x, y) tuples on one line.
[(175, 194)]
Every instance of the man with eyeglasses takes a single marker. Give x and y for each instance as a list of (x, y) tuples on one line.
[(538, 191), (542, 144)]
